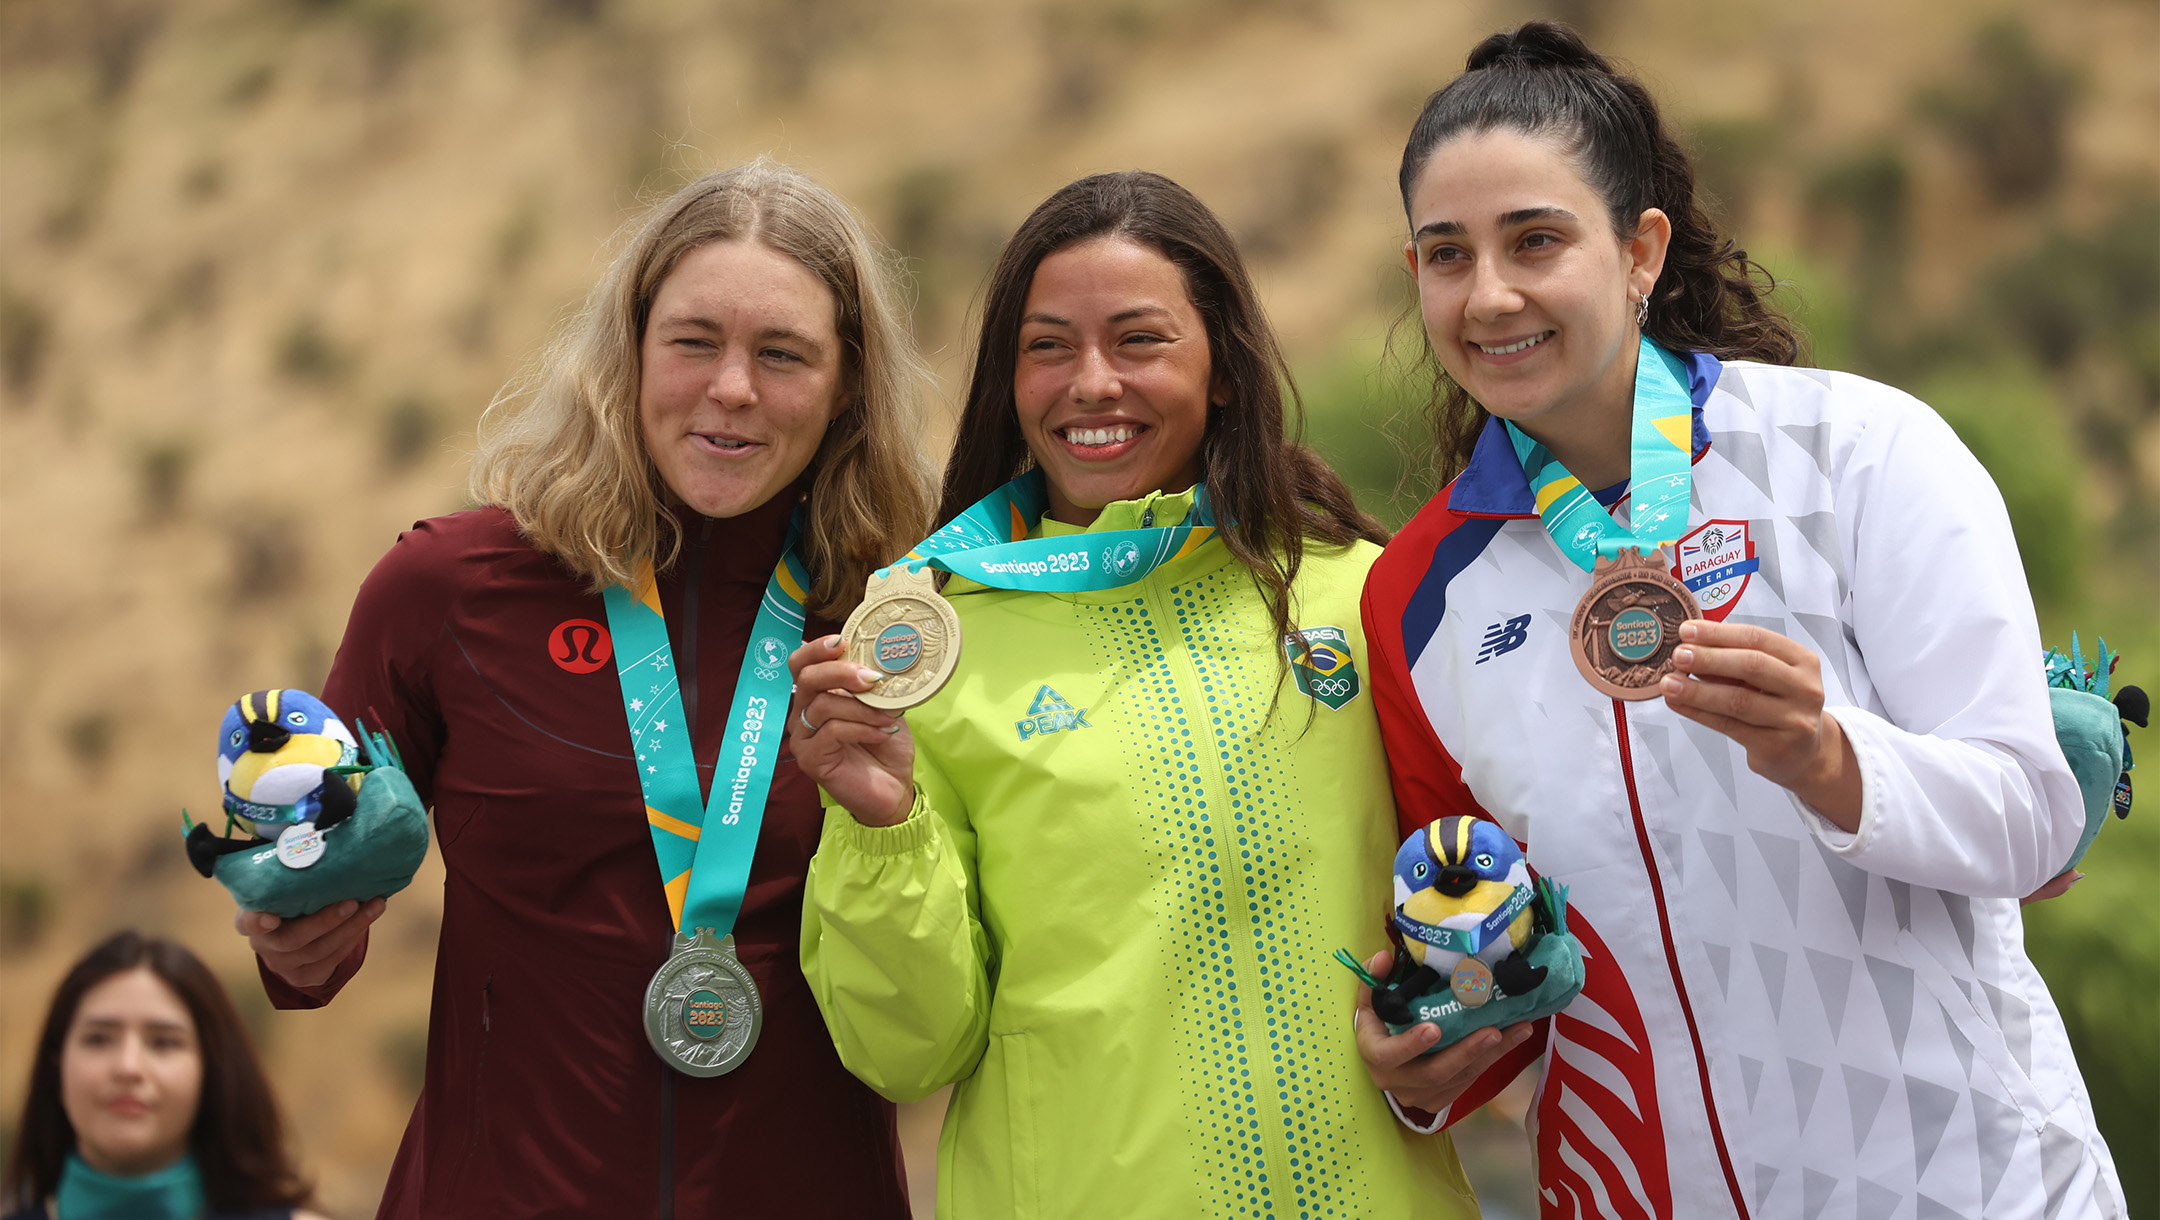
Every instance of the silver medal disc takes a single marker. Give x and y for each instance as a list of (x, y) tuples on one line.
[(702, 1011)]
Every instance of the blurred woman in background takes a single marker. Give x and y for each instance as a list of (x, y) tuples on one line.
[(1795, 855), (146, 1101), (1096, 880), (713, 457)]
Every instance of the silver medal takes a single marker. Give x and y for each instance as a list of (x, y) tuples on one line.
[(702, 1011)]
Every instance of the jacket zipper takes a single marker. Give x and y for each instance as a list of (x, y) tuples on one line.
[(1672, 958)]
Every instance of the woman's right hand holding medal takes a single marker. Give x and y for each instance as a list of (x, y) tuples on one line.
[(864, 758)]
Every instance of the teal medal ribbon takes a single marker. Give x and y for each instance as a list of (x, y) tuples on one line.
[(705, 846), (1661, 450), (172, 1193), (702, 1009), (989, 545)]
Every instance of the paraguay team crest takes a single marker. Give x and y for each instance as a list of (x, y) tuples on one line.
[(1716, 562), (1325, 671)]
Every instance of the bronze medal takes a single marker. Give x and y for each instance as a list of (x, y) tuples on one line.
[(1471, 981), (1626, 627), (907, 632)]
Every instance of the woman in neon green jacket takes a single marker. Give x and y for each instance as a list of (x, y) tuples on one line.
[(1095, 881)]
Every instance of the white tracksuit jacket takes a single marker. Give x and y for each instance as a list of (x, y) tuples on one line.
[(1781, 1019)]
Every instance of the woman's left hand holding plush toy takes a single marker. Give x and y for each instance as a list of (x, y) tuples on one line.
[(1399, 1063), (307, 950), (1765, 691)]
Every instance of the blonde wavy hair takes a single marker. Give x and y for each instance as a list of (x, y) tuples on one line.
[(561, 447)]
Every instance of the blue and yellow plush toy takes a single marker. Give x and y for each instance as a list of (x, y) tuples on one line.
[(1458, 886), (273, 751), (1478, 940), (324, 816)]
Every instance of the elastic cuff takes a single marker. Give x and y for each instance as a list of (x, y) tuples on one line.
[(1415, 1119), (915, 834), (1837, 839)]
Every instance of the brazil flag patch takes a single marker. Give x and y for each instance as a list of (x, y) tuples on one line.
[(1322, 665)]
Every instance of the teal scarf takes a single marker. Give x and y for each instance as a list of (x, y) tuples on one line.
[(172, 1193)]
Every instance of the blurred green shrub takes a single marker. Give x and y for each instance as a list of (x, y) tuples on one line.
[(161, 471), (306, 353), (1366, 416), (25, 336), (1858, 202), (2009, 113), (25, 912), (2012, 420), (88, 737), (410, 428), (2092, 290), (1295, 186)]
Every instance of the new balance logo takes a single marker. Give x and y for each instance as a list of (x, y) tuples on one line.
[(1050, 714), (1504, 637)]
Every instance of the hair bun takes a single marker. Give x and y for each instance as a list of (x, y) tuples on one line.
[(1536, 44)]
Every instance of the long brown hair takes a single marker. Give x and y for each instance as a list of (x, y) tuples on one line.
[(562, 449), (1541, 79), (1270, 493), (237, 1138)]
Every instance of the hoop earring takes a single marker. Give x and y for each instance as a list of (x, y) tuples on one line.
[(1642, 311)]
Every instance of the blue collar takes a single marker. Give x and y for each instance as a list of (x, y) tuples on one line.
[(1493, 484)]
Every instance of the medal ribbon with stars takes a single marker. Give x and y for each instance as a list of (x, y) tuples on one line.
[(704, 848)]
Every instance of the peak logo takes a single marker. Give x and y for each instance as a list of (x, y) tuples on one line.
[(1050, 713)]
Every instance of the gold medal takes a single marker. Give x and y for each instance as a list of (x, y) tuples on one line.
[(1626, 627), (906, 631)]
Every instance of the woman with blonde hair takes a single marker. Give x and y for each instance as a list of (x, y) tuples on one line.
[(700, 473)]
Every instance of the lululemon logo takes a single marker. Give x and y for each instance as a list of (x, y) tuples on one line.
[(704, 1016), (1635, 634), (580, 645)]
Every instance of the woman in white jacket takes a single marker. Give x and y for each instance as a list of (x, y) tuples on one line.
[(1795, 836)]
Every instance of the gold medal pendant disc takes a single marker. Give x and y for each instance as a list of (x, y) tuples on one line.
[(907, 632), (1626, 627)]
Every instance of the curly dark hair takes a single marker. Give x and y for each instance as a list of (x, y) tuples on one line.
[(237, 1138), (1541, 79), (1271, 494)]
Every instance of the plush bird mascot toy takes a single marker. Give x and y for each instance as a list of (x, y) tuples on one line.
[(323, 816), (1478, 940)]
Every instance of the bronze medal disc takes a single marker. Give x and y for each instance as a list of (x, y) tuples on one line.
[(907, 632), (1471, 981), (1626, 627)]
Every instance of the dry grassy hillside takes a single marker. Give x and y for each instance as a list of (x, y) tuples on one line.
[(263, 263)]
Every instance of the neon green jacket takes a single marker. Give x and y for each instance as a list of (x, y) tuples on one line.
[(1110, 915)]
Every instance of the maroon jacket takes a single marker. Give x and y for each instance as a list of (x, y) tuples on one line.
[(483, 659)]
